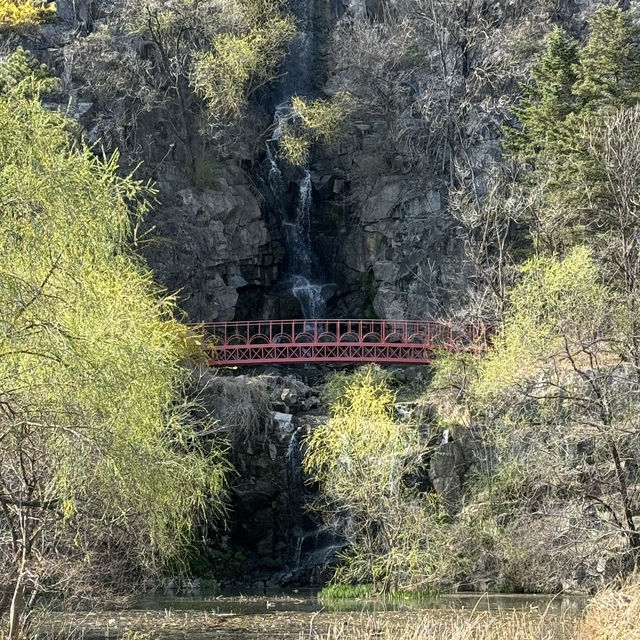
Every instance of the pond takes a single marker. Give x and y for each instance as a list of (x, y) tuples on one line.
[(301, 615)]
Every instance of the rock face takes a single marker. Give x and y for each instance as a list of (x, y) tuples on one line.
[(447, 469), (273, 539), (382, 230), (270, 529), (208, 245)]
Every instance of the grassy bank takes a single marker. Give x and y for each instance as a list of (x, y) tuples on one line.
[(614, 614), (366, 592)]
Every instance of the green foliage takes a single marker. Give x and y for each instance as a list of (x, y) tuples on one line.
[(23, 75), (93, 371), (549, 99), (346, 591), (362, 442), (554, 403), (311, 122), (337, 383), (555, 305), (360, 459), (609, 73), (200, 64), (339, 592), (239, 62), (295, 147), (560, 386), (24, 15), (570, 82), (323, 118)]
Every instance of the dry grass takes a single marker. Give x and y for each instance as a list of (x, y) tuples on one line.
[(453, 626), (614, 614), (242, 406)]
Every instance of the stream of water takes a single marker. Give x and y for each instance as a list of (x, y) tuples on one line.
[(294, 205), (304, 274)]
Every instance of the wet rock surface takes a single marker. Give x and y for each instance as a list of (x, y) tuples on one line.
[(272, 538)]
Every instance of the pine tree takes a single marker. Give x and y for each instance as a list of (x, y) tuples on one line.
[(549, 99), (610, 61), (22, 73)]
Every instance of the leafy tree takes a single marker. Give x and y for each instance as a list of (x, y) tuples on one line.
[(239, 63), (551, 411), (313, 121), (582, 139), (563, 361), (193, 65), (24, 15), (102, 469), (361, 459)]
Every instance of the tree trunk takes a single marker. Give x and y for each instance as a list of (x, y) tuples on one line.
[(633, 535), (17, 605)]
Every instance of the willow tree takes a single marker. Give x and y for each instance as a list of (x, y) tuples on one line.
[(102, 469), (319, 120), (363, 460), (24, 15), (561, 391), (193, 65)]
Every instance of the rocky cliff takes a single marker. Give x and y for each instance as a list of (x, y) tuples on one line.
[(427, 120)]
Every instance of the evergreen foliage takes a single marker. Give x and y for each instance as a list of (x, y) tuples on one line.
[(609, 72), (556, 398), (549, 99), (569, 82), (23, 75)]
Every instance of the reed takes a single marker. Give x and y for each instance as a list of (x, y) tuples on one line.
[(450, 625), (613, 614)]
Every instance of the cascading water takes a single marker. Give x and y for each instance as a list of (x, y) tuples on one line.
[(289, 192), (304, 277), (309, 295), (293, 466)]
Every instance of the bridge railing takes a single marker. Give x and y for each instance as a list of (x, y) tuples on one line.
[(273, 340)]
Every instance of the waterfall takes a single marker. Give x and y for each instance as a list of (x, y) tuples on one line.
[(308, 293), (276, 181), (291, 187), (293, 466), (304, 275)]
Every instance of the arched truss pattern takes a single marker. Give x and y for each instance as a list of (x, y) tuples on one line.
[(337, 341)]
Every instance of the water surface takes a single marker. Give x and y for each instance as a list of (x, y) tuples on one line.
[(294, 616)]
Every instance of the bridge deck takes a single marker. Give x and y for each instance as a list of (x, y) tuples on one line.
[(337, 341)]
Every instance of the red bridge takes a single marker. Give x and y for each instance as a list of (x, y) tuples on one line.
[(337, 341)]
